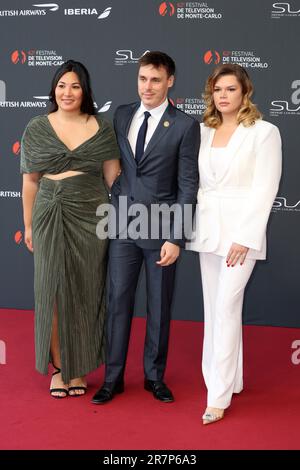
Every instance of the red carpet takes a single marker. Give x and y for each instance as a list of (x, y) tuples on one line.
[(265, 415)]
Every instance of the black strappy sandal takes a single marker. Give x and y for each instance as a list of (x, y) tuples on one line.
[(61, 390)]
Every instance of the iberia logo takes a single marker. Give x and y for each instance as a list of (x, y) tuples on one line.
[(16, 148), (211, 57), (18, 57), (166, 9), (18, 237)]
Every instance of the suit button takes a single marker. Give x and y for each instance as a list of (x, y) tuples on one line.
[(138, 173), (131, 198)]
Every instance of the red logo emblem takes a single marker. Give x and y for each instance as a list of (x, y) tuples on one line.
[(16, 148), (166, 9), (18, 237), (18, 56), (212, 57)]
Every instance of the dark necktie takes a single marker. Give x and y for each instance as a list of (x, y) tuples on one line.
[(140, 142)]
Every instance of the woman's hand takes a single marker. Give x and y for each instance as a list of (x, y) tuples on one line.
[(236, 253), (28, 238), (30, 189)]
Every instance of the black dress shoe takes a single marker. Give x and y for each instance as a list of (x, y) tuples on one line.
[(107, 392), (159, 389)]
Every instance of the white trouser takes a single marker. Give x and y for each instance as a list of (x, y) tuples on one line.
[(222, 360)]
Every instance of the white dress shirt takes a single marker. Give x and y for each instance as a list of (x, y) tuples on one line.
[(138, 118)]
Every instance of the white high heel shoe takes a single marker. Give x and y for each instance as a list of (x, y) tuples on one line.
[(210, 417)]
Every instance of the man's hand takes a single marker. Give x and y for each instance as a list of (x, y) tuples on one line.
[(168, 254)]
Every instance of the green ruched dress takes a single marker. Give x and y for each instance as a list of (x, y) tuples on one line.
[(69, 259)]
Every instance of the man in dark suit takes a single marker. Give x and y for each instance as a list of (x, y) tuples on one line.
[(159, 149)]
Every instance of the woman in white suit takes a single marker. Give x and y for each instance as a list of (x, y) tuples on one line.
[(240, 169)]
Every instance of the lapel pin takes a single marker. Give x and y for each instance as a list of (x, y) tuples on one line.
[(166, 123)]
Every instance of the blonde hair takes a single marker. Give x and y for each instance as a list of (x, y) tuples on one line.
[(248, 112)]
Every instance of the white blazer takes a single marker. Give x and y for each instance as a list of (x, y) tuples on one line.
[(234, 205)]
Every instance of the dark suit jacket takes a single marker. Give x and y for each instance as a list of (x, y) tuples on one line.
[(167, 172)]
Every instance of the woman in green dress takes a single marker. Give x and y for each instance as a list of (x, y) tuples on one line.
[(68, 159)]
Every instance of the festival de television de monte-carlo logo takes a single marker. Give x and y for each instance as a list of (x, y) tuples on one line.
[(247, 59), (37, 58), (189, 11)]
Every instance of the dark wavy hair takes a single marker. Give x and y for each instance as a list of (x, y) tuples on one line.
[(87, 105)]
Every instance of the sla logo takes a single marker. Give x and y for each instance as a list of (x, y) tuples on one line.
[(2, 91), (18, 237), (18, 57), (125, 56), (211, 57), (166, 9), (281, 204), (88, 11), (281, 9), (16, 148), (282, 107)]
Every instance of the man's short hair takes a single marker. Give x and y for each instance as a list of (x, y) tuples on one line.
[(158, 59)]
